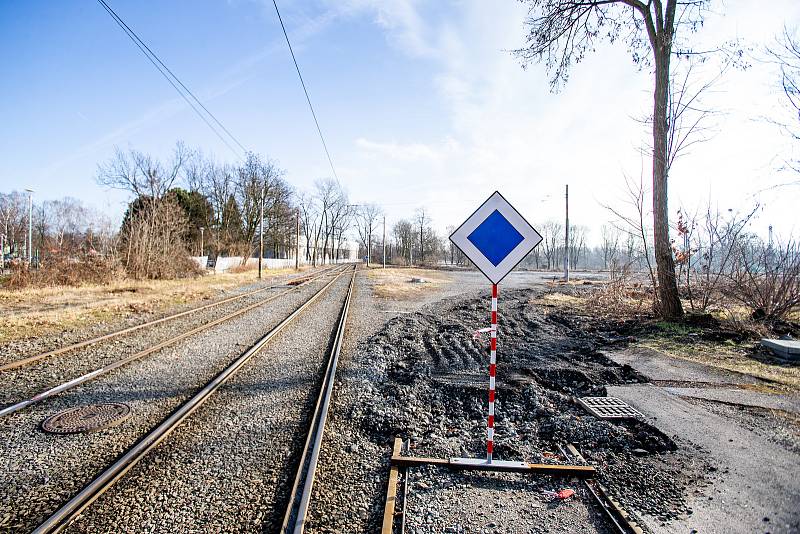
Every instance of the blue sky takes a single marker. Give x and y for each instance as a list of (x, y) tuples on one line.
[(420, 103)]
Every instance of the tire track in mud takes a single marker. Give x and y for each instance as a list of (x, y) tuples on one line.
[(433, 382)]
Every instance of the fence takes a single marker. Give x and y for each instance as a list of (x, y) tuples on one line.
[(226, 263)]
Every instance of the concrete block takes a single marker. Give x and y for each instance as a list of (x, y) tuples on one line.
[(785, 348)]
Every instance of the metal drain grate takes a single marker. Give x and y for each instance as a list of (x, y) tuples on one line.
[(87, 418), (608, 408)]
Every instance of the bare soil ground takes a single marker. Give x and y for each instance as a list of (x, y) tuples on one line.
[(397, 283), (35, 312), (700, 339), (421, 375)]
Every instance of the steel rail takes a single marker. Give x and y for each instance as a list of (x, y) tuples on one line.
[(70, 510), (68, 348), (620, 521), (294, 519), (8, 410)]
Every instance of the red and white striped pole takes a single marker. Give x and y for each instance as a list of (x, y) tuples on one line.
[(492, 365)]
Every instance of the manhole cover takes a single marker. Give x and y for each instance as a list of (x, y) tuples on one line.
[(87, 418), (608, 408)]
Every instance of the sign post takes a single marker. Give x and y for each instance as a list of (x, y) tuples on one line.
[(495, 238)]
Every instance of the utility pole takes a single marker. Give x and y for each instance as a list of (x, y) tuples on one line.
[(2, 252), (202, 232), (30, 226), (566, 236), (369, 242), (297, 239), (261, 234), (384, 241)]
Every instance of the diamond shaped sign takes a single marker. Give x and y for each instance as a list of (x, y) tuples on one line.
[(496, 238)]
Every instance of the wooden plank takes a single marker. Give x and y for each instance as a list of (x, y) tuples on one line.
[(580, 471), (391, 491)]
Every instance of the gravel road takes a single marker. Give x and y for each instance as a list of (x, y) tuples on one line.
[(40, 471), (230, 466)]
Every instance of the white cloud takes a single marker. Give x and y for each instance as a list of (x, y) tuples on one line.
[(513, 134), (409, 152), (404, 26)]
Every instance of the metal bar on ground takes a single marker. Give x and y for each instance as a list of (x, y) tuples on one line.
[(620, 519), (294, 519), (580, 471)]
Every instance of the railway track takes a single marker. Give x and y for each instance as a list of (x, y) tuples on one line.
[(618, 520), (116, 364), (29, 360), (294, 519), (112, 474)]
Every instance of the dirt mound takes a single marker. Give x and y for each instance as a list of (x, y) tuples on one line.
[(431, 379)]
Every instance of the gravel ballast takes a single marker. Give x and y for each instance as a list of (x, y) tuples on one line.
[(230, 466), (39, 471)]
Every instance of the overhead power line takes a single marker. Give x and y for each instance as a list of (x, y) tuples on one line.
[(172, 79), (305, 90)]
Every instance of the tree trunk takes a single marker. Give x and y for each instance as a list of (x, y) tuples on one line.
[(669, 303)]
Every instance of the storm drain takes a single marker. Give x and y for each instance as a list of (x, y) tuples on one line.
[(87, 418), (608, 408)]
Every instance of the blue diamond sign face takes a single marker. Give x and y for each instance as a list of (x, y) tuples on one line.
[(496, 238)]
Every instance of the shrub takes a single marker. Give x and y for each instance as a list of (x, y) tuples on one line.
[(66, 271)]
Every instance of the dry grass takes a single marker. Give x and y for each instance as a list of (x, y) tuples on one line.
[(394, 283), (34, 312), (726, 356), (631, 303), (559, 300)]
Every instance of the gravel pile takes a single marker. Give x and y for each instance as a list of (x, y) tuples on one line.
[(24, 382), (494, 502), (423, 377), (230, 466), (39, 471)]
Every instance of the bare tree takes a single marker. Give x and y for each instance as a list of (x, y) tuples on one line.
[(260, 189), (785, 52), (141, 174), (422, 220), (68, 220), (367, 216), (404, 235), (577, 244), (154, 240), (13, 220), (766, 278), (552, 241), (309, 214), (708, 251), (610, 244), (561, 32), (632, 221)]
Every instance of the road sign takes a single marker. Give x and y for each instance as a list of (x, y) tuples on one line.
[(496, 238)]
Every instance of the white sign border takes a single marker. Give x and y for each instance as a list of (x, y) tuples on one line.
[(531, 238)]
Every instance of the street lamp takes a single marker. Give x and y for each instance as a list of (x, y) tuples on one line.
[(30, 225)]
